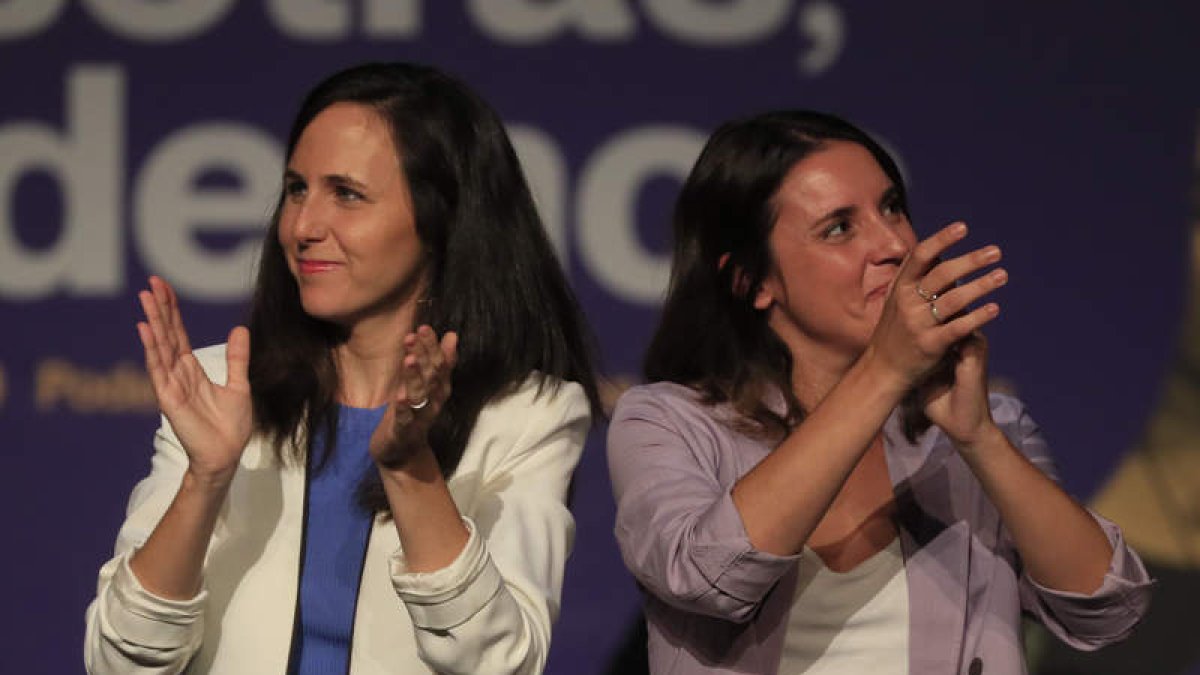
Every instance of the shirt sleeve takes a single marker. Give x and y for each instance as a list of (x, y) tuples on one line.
[(491, 609), (1083, 621), (677, 527)]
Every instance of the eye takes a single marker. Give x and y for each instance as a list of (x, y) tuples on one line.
[(838, 228), (294, 188), (893, 206), (345, 193)]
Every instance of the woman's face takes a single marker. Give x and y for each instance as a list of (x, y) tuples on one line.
[(837, 244), (347, 227)]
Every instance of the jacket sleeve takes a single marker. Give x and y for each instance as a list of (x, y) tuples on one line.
[(1108, 614), (677, 527), (491, 609), (129, 630)]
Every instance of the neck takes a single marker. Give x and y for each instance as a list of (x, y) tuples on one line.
[(368, 362), (816, 371)]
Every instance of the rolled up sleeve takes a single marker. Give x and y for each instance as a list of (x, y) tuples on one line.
[(678, 529)]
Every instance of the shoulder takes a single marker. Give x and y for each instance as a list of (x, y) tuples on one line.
[(538, 404), (660, 400), (654, 413), (540, 395)]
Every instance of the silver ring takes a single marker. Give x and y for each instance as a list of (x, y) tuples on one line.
[(927, 296), (425, 401), (933, 310)]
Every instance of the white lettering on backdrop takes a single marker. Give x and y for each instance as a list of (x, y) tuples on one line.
[(169, 205), (508, 22)]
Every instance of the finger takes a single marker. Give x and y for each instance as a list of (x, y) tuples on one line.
[(402, 412), (960, 297), (431, 356), (943, 275), (154, 320), (449, 349), (154, 365), (415, 389), (414, 351), (923, 254), (237, 359), (963, 326), (176, 319), (162, 298)]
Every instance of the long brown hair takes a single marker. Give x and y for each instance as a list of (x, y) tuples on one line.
[(493, 276), (710, 337)]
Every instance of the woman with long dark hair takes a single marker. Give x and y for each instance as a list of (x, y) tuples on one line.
[(372, 477), (816, 479)]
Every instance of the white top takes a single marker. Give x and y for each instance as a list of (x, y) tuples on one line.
[(849, 622)]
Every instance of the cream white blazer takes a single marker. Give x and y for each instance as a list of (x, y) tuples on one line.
[(490, 611)]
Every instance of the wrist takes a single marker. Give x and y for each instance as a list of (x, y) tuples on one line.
[(883, 374), (208, 480), (417, 466), (986, 439)]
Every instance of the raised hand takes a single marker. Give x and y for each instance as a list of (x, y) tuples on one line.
[(959, 404), (425, 386), (925, 314), (213, 422)]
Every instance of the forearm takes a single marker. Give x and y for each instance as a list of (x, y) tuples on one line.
[(1061, 545), (784, 497), (171, 562), (431, 530)]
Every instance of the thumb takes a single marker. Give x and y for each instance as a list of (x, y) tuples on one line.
[(449, 347), (237, 359)]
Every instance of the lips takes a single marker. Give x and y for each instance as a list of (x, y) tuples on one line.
[(315, 266), (881, 290)]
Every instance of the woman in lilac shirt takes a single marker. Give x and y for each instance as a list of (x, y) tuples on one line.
[(816, 479)]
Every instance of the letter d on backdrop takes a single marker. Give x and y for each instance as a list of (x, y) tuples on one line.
[(86, 161)]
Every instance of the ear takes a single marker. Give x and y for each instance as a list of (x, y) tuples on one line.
[(741, 283), (764, 297)]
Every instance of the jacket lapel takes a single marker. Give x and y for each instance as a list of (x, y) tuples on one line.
[(936, 547)]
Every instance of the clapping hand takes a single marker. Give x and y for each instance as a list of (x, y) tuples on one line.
[(424, 388), (927, 320), (213, 422)]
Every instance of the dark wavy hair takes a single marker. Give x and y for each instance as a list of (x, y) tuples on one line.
[(710, 336), (492, 273)]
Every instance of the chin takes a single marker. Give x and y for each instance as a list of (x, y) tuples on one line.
[(324, 309)]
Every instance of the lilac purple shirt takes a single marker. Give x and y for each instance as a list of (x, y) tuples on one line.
[(715, 604)]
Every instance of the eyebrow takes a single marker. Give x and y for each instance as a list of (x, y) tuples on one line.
[(846, 211), (892, 193), (836, 214), (336, 179)]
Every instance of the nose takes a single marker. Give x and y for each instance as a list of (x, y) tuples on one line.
[(888, 243), (308, 225)]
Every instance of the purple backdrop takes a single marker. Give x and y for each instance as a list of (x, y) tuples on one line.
[(141, 136)]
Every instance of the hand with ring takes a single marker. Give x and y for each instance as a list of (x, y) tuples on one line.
[(425, 371), (926, 312)]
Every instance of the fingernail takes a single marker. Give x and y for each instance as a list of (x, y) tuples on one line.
[(992, 253), (999, 277), (960, 229)]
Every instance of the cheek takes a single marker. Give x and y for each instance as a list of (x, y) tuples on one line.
[(285, 233)]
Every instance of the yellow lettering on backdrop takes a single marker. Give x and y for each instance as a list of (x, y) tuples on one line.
[(123, 388)]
